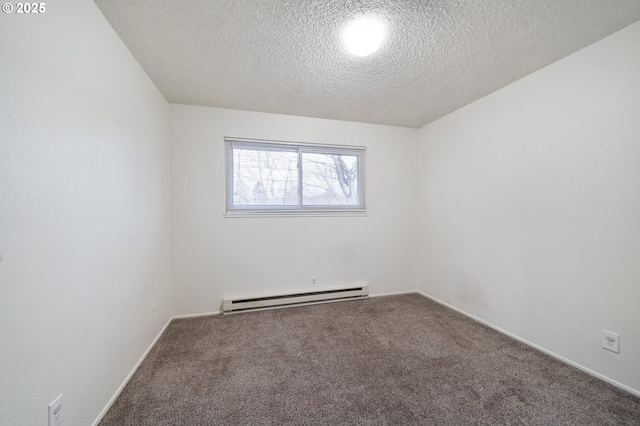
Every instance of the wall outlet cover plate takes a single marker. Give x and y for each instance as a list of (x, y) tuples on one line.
[(611, 341), (56, 414)]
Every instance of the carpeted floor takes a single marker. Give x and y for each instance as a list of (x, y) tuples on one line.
[(396, 360)]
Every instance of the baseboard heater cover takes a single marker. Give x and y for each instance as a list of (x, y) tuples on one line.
[(230, 306)]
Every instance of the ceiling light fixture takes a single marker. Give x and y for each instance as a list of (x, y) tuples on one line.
[(364, 35)]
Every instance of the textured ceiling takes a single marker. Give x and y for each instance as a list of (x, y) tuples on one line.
[(286, 56)]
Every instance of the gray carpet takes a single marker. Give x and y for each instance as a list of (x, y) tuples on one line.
[(396, 360)]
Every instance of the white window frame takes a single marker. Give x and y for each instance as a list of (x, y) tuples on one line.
[(297, 210)]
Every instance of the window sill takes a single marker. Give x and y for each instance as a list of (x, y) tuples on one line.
[(296, 213)]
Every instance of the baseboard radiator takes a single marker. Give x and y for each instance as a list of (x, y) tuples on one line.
[(231, 306)]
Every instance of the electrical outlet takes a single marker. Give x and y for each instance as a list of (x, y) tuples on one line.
[(56, 414), (153, 308), (611, 341), (314, 279)]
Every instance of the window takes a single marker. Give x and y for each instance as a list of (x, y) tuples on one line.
[(282, 178)]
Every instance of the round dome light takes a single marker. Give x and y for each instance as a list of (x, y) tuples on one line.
[(364, 36)]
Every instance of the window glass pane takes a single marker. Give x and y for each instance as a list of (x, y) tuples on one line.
[(329, 179), (265, 177)]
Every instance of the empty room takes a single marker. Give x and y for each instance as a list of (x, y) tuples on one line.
[(185, 186)]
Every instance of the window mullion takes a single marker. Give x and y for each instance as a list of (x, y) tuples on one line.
[(299, 177)]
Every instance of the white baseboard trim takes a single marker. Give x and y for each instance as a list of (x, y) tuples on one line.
[(203, 314), (130, 375), (533, 345), (393, 293)]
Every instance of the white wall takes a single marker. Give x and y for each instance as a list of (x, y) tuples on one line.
[(84, 213), (529, 207), (216, 257)]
